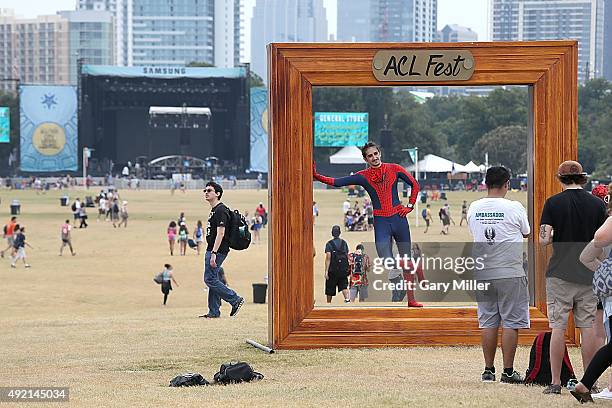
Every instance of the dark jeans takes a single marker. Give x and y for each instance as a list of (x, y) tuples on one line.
[(217, 290)]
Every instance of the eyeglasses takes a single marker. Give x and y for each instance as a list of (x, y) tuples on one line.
[(209, 190)]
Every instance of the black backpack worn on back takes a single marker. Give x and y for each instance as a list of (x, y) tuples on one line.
[(236, 372), (339, 261), (239, 236), (538, 372), (188, 380)]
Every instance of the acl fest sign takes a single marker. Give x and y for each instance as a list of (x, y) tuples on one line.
[(423, 65)]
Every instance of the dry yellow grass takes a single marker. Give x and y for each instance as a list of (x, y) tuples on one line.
[(95, 323)]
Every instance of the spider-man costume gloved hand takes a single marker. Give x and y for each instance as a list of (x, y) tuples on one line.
[(404, 211), (322, 179)]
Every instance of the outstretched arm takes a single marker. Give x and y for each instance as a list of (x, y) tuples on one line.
[(337, 182), (603, 236)]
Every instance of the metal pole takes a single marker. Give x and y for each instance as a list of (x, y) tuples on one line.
[(84, 168), (260, 346)]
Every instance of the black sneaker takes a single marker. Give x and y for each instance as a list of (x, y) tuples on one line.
[(236, 307), (552, 389), (487, 376), (208, 316), (515, 378)]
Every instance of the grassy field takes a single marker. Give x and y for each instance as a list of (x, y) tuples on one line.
[(95, 323)]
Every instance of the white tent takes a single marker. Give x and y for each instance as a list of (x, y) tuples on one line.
[(472, 167), (436, 164), (347, 155)]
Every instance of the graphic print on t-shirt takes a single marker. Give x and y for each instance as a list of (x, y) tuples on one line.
[(489, 234)]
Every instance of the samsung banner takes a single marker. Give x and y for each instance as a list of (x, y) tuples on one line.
[(48, 117), (338, 129), (164, 72), (5, 125), (259, 130)]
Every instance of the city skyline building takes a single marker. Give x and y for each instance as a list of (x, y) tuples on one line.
[(284, 21), (529, 20), (607, 41), (176, 32), (387, 20), (456, 33), (34, 50), (91, 39), (45, 49), (354, 20)]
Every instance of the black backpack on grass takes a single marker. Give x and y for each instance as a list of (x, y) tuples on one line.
[(538, 372), (239, 236), (236, 372), (188, 380)]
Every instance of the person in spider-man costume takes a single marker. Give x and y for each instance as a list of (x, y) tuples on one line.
[(380, 181)]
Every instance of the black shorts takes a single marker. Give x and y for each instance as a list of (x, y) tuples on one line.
[(335, 284), (166, 287)]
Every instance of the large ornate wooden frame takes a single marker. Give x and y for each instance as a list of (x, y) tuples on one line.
[(549, 68)]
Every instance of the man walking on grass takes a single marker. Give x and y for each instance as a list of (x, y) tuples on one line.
[(216, 252), (498, 226), (9, 232), (336, 266), (569, 221), (66, 235)]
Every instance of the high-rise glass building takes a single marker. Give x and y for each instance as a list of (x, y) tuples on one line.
[(354, 20), (45, 49), (387, 20), (284, 21), (607, 42), (175, 32), (91, 39), (456, 33), (531, 20)]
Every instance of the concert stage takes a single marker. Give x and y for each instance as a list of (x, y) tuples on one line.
[(114, 117)]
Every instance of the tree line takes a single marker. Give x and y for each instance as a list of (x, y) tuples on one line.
[(464, 128)]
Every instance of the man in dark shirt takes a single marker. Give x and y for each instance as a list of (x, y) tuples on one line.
[(216, 252), (336, 280), (569, 221)]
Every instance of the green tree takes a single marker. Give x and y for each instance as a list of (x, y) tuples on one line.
[(255, 80), (595, 127), (507, 146)]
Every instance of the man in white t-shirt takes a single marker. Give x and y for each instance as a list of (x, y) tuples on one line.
[(498, 226), (101, 207), (346, 206)]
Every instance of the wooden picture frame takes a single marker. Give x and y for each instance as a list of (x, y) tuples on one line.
[(549, 68)]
